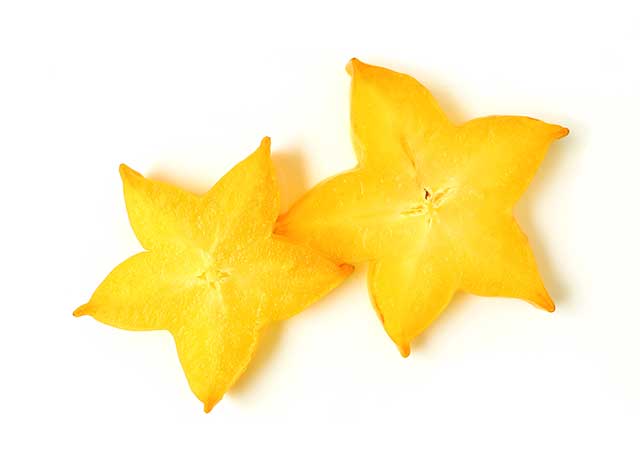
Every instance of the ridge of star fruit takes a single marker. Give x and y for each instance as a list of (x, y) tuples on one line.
[(428, 205), (213, 272)]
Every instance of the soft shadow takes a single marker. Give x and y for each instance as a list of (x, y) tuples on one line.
[(267, 346), (292, 176), (271, 335), (553, 169), (460, 301), (292, 182), (356, 282)]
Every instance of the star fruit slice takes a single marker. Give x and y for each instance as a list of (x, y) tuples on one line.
[(213, 273), (429, 204)]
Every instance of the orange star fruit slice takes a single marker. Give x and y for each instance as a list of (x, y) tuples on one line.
[(213, 273), (429, 204)]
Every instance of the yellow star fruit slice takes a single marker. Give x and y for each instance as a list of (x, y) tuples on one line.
[(429, 204), (213, 273)]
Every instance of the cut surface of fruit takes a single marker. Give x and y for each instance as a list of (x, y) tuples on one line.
[(429, 204), (213, 273)]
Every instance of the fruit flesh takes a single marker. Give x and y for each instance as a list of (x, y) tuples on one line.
[(214, 274), (429, 205)]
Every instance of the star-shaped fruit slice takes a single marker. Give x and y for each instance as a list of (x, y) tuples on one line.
[(429, 204), (213, 273)]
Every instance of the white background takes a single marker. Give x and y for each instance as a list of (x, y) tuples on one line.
[(182, 91)]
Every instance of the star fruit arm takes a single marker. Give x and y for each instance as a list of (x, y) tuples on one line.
[(409, 290), (246, 201), (284, 277), (149, 291), (489, 160), (494, 255), (391, 115), (215, 274), (161, 214)]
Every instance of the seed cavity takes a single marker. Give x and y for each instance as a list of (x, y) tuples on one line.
[(214, 276)]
